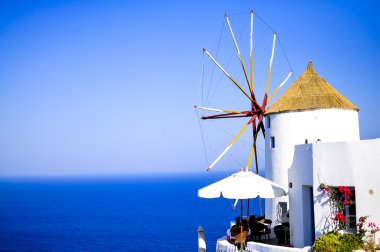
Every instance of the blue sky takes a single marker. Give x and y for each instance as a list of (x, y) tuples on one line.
[(107, 87)]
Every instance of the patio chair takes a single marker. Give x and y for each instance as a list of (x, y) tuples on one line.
[(268, 223), (238, 236), (257, 230), (282, 234), (236, 230)]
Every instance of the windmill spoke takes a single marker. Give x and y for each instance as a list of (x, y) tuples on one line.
[(253, 149), (220, 116), (235, 115), (238, 52), (224, 71), (229, 146), (270, 64), (279, 87), (250, 158), (219, 110)]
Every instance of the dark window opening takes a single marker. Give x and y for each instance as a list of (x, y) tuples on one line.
[(272, 142), (350, 211)]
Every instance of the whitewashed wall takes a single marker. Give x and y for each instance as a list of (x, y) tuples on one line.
[(290, 129), (300, 175), (355, 164)]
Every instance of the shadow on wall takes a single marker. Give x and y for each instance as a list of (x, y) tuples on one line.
[(326, 222)]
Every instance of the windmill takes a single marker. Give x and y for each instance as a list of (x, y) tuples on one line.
[(255, 110)]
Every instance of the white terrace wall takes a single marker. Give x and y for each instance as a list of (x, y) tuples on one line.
[(355, 164)]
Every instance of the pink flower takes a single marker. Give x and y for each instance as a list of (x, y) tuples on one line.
[(371, 224)]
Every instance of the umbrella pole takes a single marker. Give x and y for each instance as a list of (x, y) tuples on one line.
[(248, 208), (261, 207), (241, 210)]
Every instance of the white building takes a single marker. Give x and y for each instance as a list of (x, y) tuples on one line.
[(310, 110), (353, 164), (313, 138)]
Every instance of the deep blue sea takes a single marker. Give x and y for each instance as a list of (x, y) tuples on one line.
[(156, 213)]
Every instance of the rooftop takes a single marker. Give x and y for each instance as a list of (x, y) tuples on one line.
[(309, 92)]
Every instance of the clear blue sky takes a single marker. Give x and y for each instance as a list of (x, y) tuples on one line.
[(97, 87)]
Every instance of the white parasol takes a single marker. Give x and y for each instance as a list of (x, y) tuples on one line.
[(243, 185)]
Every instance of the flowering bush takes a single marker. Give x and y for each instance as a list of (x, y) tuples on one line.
[(339, 198), (336, 242), (360, 225), (365, 237), (370, 236)]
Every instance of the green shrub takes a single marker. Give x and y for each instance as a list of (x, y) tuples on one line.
[(350, 242), (327, 243), (335, 242)]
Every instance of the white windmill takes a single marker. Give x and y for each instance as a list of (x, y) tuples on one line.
[(310, 110)]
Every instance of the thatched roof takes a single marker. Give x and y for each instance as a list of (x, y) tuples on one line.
[(309, 92)]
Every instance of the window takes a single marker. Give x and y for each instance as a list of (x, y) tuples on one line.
[(268, 122), (350, 211), (272, 143), (284, 208)]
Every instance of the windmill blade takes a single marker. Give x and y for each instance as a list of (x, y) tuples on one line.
[(229, 146), (279, 87), (253, 150), (270, 64), (219, 110), (238, 51), (224, 71), (251, 53)]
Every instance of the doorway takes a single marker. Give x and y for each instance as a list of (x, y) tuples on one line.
[(308, 215)]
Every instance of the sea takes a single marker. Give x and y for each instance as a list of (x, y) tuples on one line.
[(123, 213)]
